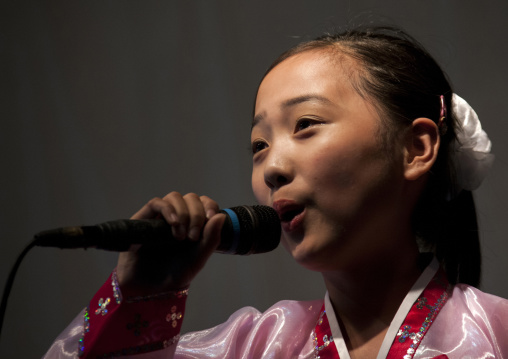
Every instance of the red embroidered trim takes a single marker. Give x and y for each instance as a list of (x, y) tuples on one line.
[(415, 325), (115, 327), (420, 318), (324, 346)]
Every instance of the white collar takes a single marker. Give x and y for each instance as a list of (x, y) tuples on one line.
[(397, 321)]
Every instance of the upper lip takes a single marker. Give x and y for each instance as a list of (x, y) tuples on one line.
[(287, 209)]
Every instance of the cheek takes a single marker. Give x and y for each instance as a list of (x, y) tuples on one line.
[(347, 173), (259, 187), (334, 166)]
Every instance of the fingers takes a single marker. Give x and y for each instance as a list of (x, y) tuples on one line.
[(164, 267), (211, 207), (186, 214), (192, 217), (148, 211), (211, 238)]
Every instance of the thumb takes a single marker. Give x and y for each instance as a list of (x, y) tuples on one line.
[(211, 238)]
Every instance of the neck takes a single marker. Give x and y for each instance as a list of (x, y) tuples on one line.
[(365, 311)]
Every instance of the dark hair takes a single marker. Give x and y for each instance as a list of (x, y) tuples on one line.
[(404, 83)]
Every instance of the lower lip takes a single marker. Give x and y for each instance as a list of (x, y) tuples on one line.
[(293, 225)]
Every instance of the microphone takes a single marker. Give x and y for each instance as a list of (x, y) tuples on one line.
[(247, 230)]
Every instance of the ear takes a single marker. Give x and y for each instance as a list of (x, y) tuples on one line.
[(421, 148)]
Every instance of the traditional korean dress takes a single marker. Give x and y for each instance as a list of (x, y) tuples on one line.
[(435, 320)]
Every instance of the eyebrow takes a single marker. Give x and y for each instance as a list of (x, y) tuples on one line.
[(292, 102)]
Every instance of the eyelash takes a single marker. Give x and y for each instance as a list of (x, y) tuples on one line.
[(255, 146), (308, 121)]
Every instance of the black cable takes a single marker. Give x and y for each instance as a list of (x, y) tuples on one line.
[(10, 281)]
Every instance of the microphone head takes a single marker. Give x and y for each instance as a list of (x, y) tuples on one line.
[(250, 230)]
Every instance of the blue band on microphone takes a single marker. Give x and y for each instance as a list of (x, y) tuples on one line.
[(236, 229)]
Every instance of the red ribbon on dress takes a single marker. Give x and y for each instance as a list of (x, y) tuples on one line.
[(416, 324)]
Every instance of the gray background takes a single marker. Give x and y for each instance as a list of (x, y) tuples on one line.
[(106, 104)]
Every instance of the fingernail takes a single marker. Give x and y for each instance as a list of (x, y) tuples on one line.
[(194, 233), (210, 213), (173, 217)]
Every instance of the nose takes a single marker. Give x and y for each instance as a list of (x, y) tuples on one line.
[(278, 169)]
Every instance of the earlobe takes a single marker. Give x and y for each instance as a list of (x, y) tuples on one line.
[(421, 148)]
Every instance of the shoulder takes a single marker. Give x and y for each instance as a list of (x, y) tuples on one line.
[(487, 309), (478, 316), (478, 303), (470, 324)]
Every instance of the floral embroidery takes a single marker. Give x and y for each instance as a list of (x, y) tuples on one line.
[(422, 305), (404, 333), (173, 316), (321, 337), (102, 306), (326, 342), (417, 322), (140, 319), (422, 302)]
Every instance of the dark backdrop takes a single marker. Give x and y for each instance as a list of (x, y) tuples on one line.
[(106, 104)]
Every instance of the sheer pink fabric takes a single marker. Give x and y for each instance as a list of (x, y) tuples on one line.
[(472, 324), (283, 331)]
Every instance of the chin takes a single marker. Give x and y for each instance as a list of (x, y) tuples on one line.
[(310, 257), (321, 253)]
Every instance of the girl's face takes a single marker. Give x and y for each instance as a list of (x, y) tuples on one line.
[(318, 160)]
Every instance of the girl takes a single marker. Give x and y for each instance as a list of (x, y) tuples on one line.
[(368, 157)]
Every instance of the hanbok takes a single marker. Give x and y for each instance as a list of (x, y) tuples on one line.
[(435, 320)]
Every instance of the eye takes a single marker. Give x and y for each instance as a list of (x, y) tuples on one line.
[(258, 145), (305, 123)]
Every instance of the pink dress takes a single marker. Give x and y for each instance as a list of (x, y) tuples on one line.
[(435, 320)]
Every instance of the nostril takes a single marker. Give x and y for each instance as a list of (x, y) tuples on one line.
[(269, 184), (277, 173), (276, 181), (281, 180)]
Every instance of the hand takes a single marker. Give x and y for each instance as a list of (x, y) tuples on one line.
[(196, 225)]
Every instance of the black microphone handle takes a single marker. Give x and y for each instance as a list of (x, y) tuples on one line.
[(247, 230)]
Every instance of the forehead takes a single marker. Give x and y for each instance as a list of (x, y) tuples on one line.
[(320, 74), (304, 69)]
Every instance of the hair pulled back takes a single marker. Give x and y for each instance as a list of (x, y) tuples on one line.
[(404, 83)]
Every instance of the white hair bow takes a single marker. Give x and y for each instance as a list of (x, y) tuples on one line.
[(472, 155)]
